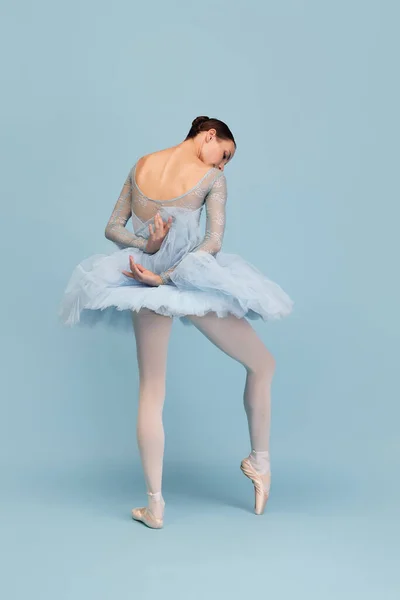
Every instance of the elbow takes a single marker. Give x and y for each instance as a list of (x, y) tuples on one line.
[(216, 247), (107, 232), (215, 243), (212, 248)]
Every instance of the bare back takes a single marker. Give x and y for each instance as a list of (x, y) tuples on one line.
[(169, 173), (169, 180)]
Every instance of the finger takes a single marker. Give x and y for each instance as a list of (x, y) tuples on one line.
[(138, 274), (128, 274), (138, 267), (151, 229), (132, 264), (158, 221)]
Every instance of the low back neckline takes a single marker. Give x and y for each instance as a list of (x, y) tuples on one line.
[(172, 199)]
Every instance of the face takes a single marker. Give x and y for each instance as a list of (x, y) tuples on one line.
[(215, 152)]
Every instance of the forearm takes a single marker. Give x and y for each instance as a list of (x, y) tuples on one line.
[(210, 244), (116, 227), (124, 238)]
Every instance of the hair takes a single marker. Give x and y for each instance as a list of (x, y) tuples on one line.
[(205, 124)]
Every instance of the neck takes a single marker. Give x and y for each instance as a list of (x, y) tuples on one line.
[(192, 147)]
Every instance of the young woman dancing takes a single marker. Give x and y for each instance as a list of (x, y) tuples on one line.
[(168, 269)]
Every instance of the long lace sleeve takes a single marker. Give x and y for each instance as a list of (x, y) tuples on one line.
[(115, 229), (215, 223)]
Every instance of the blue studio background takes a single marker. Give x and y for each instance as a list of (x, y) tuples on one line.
[(311, 93)]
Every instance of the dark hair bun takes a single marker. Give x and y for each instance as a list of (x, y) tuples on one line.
[(198, 121), (205, 124)]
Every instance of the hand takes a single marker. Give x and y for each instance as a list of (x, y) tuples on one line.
[(157, 235), (141, 274)]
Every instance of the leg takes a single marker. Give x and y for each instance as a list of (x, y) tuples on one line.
[(152, 332), (237, 339)]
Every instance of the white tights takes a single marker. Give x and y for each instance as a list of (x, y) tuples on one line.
[(237, 339)]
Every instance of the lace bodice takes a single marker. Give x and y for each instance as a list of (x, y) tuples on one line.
[(210, 191)]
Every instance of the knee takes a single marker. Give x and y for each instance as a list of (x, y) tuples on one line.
[(152, 388), (265, 364)]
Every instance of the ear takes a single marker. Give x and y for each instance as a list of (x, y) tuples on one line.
[(211, 133)]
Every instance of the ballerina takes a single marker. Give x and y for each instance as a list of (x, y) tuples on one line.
[(166, 268)]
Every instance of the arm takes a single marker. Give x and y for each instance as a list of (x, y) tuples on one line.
[(215, 223), (115, 229)]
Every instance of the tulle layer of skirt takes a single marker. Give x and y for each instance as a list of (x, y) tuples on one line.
[(201, 283)]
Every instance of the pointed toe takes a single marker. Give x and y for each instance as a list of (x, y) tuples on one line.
[(261, 485)]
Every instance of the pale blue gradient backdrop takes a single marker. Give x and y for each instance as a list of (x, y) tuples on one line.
[(310, 90)]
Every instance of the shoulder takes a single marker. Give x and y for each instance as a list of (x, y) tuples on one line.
[(214, 175), (218, 189), (220, 175), (151, 163), (218, 180), (153, 156)]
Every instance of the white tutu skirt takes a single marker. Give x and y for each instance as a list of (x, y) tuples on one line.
[(201, 283)]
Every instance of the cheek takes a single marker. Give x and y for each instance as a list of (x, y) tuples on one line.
[(217, 154), (212, 154)]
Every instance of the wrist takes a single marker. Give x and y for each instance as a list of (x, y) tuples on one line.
[(164, 278)]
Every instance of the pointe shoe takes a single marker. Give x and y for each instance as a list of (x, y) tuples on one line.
[(145, 515), (259, 480)]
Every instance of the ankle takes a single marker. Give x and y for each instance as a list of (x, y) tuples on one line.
[(155, 496), (156, 504), (260, 460)]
